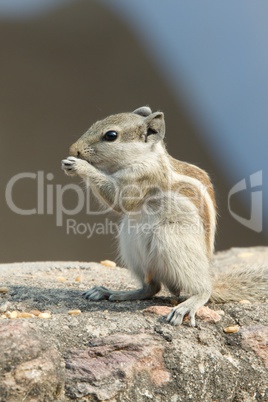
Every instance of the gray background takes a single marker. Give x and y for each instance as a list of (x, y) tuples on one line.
[(66, 67)]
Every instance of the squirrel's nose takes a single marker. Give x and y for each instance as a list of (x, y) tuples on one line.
[(73, 151)]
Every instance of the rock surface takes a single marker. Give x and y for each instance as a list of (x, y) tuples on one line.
[(125, 351), (111, 364), (31, 368)]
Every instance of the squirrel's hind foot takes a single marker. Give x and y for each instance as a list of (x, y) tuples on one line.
[(97, 293), (190, 307)]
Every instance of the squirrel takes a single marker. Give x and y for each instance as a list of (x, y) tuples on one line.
[(168, 214)]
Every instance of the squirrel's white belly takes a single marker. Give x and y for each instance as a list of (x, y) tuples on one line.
[(136, 235), (153, 246)]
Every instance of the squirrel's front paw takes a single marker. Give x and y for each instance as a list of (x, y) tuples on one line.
[(69, 165), (73, 166)]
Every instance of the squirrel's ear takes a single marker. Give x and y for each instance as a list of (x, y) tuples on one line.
[(155, 126), (143, 111)]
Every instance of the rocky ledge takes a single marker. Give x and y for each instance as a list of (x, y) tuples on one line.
[(56, 346)]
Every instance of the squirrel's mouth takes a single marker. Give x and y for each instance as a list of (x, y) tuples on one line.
[(79, 156), (91, 159)]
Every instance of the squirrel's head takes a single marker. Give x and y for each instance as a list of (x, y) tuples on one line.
[(121, 139)]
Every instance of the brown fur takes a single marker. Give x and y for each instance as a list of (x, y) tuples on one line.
[(195, 195)]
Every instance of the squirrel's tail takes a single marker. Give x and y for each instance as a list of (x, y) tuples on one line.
[(241, 283)]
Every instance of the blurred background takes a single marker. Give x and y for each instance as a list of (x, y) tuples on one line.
[(67, 63)]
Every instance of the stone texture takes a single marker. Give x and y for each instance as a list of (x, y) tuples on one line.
[(30, 370), (256, 338), (158, 310), (112, 363), (206, 314), (126, 351)]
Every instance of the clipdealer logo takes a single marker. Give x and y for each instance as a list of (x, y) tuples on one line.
[(254, 186), (49, 197), (50, 201)]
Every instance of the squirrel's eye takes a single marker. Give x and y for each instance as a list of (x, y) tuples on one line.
[(110, 136)]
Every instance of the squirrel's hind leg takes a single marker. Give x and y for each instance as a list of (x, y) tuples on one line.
[(101, 293)]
